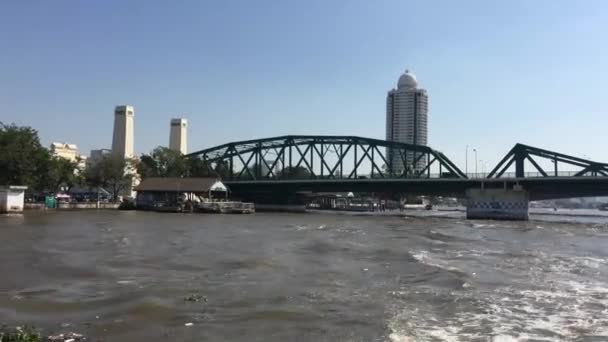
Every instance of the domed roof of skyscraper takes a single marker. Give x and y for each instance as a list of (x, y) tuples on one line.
[(407, 80)]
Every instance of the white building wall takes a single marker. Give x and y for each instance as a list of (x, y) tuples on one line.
[(123, 138), (11, 200), (178, 138), (65, 150)]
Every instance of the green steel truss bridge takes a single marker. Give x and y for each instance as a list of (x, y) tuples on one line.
[(297, 163)]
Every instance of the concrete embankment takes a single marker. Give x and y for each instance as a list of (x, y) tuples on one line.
[(289, 208), (67, 206)]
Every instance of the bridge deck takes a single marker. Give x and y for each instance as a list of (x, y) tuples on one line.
[(539, 188)]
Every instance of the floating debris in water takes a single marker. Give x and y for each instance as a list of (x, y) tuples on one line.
[(195, 298), (69, 337)]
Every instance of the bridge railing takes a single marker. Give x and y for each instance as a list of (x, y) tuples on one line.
[(526, 174), (479, 175)]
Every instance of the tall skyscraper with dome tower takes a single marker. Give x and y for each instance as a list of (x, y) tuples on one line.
[(407, 122)]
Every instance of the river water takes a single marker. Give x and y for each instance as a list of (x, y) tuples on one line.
[(124, 276)]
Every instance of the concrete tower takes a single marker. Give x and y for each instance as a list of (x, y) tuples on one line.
[(178, 138), (406, 121), (122, 141)]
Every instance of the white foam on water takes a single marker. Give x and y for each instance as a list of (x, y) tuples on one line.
[(429, 259), (505, 338), (544, 315), (300, 227), (591, 262), (561, 298), (351, 230), (483, 225), (395, 337)]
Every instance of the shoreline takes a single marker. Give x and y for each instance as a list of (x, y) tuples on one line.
[(437, 212)]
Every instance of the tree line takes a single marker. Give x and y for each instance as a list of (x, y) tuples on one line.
[(24, 161), (164, 162)]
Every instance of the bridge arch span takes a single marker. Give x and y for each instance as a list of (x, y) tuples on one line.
[(324, 157)]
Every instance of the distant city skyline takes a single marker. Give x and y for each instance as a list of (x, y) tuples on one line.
[(499, 73)]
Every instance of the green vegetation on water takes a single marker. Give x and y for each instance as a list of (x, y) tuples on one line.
[(19, 334), (195, 298)]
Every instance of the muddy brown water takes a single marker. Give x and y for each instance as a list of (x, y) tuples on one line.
[(123, 276)]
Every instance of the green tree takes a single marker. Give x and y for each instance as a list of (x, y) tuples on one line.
[(111, 172), (222, 170), (163, 162), (203, 168), (61, 173), (146, 166), (297, 172), (200, 168), (23, 160)]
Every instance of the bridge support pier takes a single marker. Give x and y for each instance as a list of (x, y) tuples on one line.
[(497, 204)]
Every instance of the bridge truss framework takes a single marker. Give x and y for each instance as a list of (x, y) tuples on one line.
[(354, 158), (521, 154), (323, 157)]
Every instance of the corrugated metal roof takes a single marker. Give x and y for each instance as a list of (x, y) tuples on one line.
[(177, 184)]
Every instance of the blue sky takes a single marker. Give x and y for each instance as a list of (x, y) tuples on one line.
[(497, 73)]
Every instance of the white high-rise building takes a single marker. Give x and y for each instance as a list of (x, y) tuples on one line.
[(406, 121), (178, 138), (122, 140)]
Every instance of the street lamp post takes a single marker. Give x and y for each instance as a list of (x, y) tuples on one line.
[(466, 160), (475, 150)]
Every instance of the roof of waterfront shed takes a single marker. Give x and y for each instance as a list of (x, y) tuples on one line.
[(181, 184)]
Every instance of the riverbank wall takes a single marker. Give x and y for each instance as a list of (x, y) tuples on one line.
[(72, 206)]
